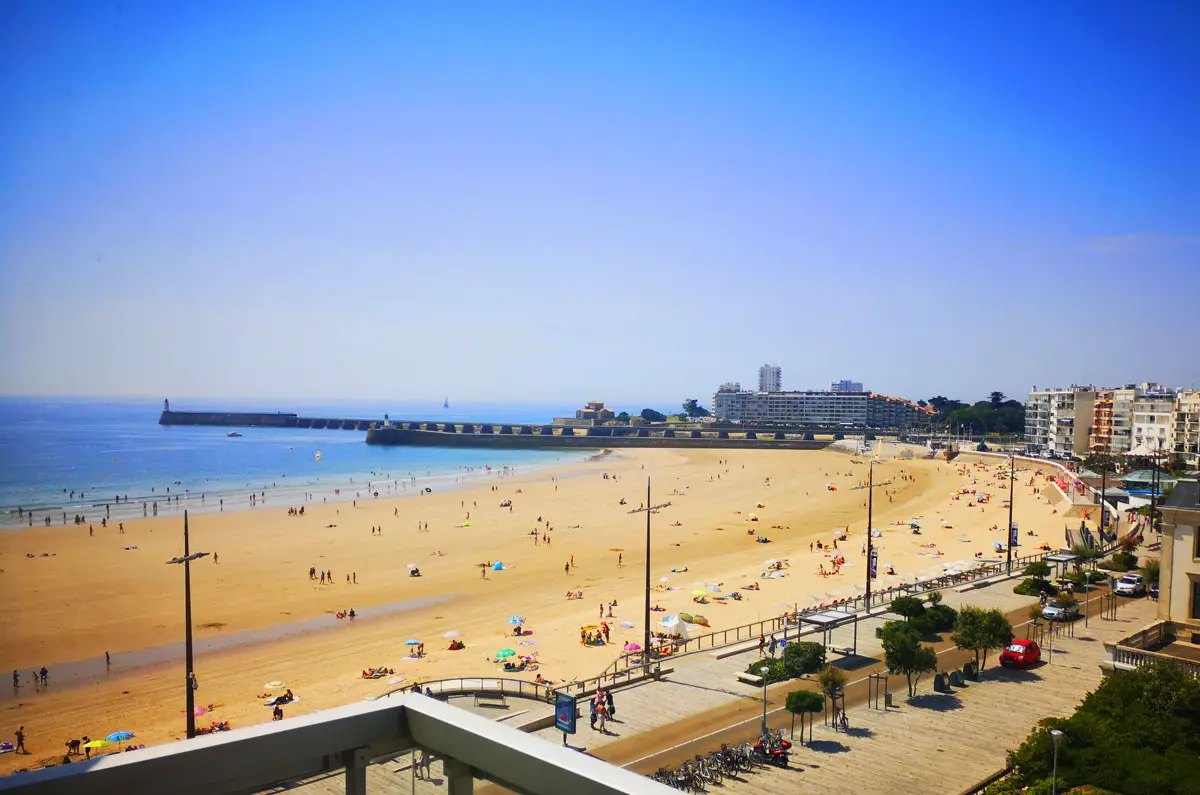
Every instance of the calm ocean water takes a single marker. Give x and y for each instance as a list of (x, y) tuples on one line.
[(51, 447)]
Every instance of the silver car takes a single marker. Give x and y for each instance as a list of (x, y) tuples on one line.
[(1055, 612)]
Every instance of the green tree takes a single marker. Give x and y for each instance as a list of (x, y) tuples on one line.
[(1150, 572), (832, 682), (1039, 568), (996, 399), (801, 702), (650, 415), (908, 606), (904, 654), (623, 417), (693, 409), (803, 657)]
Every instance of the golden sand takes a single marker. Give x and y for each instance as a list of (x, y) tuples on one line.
[(94, 596)]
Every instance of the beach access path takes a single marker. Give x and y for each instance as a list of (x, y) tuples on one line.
[(961, 738)]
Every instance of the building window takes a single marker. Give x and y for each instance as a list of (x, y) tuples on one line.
[(1195, 612), (1196, 542)]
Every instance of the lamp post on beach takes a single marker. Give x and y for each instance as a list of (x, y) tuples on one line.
[(1012, 478), (189, 681), (870, 510), (649, 509)]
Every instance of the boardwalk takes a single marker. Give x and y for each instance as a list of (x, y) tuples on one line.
[(945, 743), (939, 743)]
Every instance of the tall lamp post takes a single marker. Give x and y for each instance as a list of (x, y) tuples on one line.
[(870, 509), (646, 616), (1056, 735), (189, 680), (1012, 477)]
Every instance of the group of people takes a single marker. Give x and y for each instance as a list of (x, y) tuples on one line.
[(601, 709)]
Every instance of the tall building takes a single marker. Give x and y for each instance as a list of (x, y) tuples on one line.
[(1152, 412), (770, 378), (1112, 420), (846, 386), (1058, 421), (818, 408), (1185, 428), (1179, 579)]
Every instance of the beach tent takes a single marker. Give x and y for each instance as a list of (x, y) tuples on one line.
[(497, 566), (673, 626)]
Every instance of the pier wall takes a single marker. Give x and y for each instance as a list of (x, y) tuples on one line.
[(542, 440)]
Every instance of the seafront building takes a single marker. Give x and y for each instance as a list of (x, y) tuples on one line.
[(1058, 421), (1135, 419), (849, 409), (770, 378), (1185, 428), (1179, 575), (846, 386)]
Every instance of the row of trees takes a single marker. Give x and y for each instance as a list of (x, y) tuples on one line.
[(975, 629), (997, 414)]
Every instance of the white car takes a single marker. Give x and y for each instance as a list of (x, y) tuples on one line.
[(1130, 585), (1054, 612)]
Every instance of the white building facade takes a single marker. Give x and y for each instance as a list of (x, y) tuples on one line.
[(846, 386), (1185, 428), (1152, 414), (859, 409), (770, 378), (1058, 420)]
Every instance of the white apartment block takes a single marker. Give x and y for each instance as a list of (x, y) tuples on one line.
[(1058, 421), (846, 386), (1185, 428), (817, 408), (1153, 410), (770, 378)]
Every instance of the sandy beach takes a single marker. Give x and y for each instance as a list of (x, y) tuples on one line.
[(92, 594)]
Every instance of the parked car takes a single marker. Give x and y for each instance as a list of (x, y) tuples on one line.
[(1054, 612), (1021, 654), (1130, 585)]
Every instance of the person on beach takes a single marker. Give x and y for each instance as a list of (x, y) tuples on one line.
[(567, 569), (772, 645), (762, 645), (107, 661), (322, 578), (20, 749), (16, 679), (215, 560)]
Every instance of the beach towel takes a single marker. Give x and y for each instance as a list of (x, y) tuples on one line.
[(275, 702)]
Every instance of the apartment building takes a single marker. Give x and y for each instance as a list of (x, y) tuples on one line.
[(1152, 415), (1058, 421), (770, 378), (1185, 428), (1112, 421), (818, 408), (846, 386)]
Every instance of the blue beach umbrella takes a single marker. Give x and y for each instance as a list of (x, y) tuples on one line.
[(412, 642), (120, 737), (516, 620)]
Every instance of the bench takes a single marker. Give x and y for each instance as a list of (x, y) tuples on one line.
[(750, 679), (491, 700)]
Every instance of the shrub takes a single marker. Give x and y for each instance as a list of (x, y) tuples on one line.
[(935, 598), (803, 658), (1124, 561), (832, 680), (908, 606), (937, 618), (776, 672), (1085, 577), (1032, 586), (1151, 571), (1039, 568)]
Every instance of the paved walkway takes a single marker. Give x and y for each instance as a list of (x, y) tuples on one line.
[(945, 743), (983, 719)]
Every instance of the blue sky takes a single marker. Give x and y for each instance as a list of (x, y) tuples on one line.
[(636, 202)]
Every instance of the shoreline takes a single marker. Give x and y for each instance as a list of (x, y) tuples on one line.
[(336, 490), (260, 584)]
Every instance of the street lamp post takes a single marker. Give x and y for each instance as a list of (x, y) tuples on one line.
[(763, 673), (646, 616), (1012, 477), (1055, 734), (189, 679)]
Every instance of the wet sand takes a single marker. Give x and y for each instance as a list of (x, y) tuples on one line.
[(93, 595)]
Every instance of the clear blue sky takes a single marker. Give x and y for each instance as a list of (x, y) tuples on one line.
[(561, 201)]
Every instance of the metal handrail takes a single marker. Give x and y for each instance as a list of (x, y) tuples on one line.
[(468, 685)]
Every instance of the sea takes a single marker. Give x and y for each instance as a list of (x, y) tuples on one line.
[(67, 457)]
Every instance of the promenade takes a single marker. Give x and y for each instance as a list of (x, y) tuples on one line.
[(935, 743)]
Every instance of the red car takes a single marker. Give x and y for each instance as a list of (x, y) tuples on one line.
[(1021, 654)]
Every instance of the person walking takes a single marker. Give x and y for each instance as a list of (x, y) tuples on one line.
[(592, 713), (773, 645), (762, 645), (608, 702), (20, 749)]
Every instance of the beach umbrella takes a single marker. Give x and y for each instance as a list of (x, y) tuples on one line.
[(275, 685), (631, 646), (97, 744), (412, 565), (664, 579), (197, 711), (497, 566), (454, 633), (701, 620), (120, 737), (699, 592), (504, 654), (516, 620), (713, 587), (627, 624), (685, 617), (412, 642)]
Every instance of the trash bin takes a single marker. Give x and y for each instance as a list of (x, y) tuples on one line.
[(971, 672), (887, 700)]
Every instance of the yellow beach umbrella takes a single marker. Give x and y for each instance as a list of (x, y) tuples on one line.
[(97, 744)]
